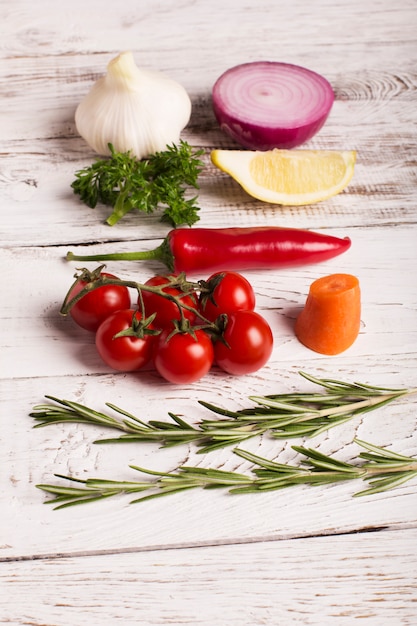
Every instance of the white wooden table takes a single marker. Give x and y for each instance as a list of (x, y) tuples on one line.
[(301, 556)]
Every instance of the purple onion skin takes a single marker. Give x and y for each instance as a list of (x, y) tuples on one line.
[(256, 137)]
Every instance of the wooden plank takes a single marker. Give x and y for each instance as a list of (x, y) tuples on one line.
[(39, 196), (368, 577)]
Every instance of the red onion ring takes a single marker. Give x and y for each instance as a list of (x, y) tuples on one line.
[(266, 104)]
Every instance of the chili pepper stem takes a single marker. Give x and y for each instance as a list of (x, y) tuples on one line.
[(160, 253)]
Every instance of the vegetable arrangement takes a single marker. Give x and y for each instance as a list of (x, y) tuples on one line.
[(136, 116), (237, 249), (182, 328), (169, 326)]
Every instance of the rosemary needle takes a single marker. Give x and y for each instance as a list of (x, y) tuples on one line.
[(282, 415), (383, 470)]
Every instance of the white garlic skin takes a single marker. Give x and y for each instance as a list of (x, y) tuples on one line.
[(135, 110)]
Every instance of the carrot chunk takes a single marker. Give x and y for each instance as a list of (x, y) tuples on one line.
[(330, 321)]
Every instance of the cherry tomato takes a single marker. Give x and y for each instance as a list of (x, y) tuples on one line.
[(166, 310), (126, 353), (250, 343), (183, 358), (231, 292), (95, 306)]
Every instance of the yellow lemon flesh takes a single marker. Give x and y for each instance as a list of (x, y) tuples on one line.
[(288, 177)]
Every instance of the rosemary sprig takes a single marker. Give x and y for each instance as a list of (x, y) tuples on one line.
[(282, 415), (383, 470), (126, 183)]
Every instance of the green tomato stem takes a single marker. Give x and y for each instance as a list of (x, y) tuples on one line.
[(187, 288)]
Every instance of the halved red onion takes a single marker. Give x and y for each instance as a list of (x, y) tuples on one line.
[(267, 104)]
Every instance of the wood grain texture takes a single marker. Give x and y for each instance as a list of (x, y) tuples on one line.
[(301, 556), (284, 582)]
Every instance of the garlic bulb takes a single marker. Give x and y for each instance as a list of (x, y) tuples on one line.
[(135, 110)]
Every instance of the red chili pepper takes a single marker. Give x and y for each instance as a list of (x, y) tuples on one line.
[(197, 250)]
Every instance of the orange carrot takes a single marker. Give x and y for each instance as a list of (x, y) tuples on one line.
[(330, 320)]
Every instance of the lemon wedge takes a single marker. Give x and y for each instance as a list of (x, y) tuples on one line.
[(288, 177)]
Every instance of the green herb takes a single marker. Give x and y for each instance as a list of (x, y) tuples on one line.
[(282, 415), (383, 470), (160, 181)]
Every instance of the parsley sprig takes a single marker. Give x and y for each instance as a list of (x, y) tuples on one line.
[(160, 182)]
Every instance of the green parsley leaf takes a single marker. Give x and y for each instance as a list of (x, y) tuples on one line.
[(159, 182)]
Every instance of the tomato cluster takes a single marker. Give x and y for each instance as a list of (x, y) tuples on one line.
[(182, 328)]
